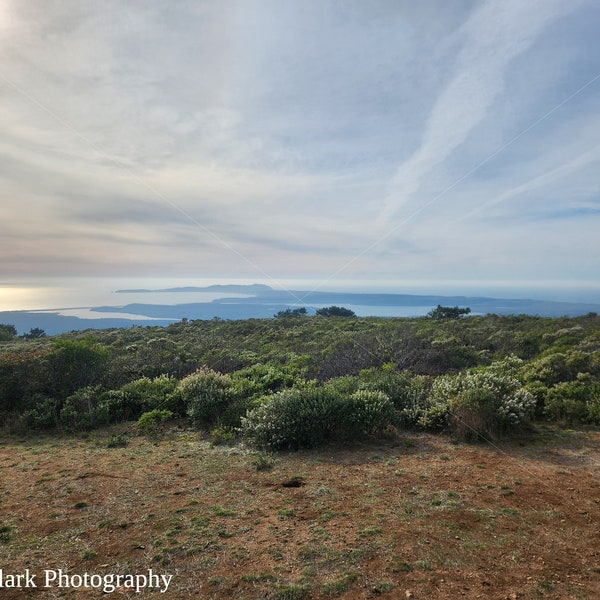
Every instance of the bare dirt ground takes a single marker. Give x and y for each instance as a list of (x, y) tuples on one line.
[(415, 517)]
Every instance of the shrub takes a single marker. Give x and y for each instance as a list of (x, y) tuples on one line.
[(369, 411), (152, 423), (291, 419), (251, 383), (264, 462), (7, 332), (307, 417), (6, 533), (574, 401), (405, 390), (43, 413), (434, 415), (485, 402), (122, 406), (559, 366), (140, 396), (117, 441), (473, 414), (539, 391), (85, 409), (593, 409), (158, 392), (410, 397), (74, 364), (206, 394), (261, 379), (223, 436)]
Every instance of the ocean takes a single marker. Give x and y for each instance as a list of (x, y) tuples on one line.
[(75, 296)]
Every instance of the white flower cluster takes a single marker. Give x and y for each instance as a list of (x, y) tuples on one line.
[(500, 390)]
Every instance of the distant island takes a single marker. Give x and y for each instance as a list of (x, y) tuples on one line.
[(260, 301), (253, 288)]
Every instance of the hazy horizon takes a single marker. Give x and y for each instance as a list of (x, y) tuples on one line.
[(51, 293)]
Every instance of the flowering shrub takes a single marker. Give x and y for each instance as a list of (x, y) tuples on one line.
[(485, 402), (294, 418), (370, 411), (306, 417), (206, 394)]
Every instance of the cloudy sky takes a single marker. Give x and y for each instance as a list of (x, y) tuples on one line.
[(382, 139)]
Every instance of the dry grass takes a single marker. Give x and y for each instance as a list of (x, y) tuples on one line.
[(418, 514)]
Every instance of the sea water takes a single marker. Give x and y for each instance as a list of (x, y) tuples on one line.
[(76, 296)]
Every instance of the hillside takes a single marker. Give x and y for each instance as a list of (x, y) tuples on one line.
[(551, 366)]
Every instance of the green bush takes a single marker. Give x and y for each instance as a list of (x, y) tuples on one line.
[(558, 367), (206, 395), (433, 415), (473, 414), (343, 386), (140, 396), (158, 392), (223, 436), (307, 417), (43, 414), (593, 409), (407, 392), (85, 409), (369, 411), (122, 406), (539, 391), (261, 379), (117, 441), (291, 419), (152, 423), (74, 364), (6, 533), (485, 402), (574, 401), (7, 332)]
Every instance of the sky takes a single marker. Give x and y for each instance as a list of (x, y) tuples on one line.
[(385, 140)]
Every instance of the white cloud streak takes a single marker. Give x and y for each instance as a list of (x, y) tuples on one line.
[(493, 37)]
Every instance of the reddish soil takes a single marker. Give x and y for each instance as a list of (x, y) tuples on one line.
[(417, 517)]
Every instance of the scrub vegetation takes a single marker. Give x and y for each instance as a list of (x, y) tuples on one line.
[(299, 381)]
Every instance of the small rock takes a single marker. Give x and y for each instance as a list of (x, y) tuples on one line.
[(408, 594)]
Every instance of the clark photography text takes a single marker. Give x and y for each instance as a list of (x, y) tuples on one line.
[(108, 583)]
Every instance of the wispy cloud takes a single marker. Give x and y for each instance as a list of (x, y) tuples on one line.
[(258, 137), (493, 37), (552, 176)]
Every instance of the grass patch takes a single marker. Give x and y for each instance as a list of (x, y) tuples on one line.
[(219, 511), (6, 533), (339, 586), (292, 592)]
